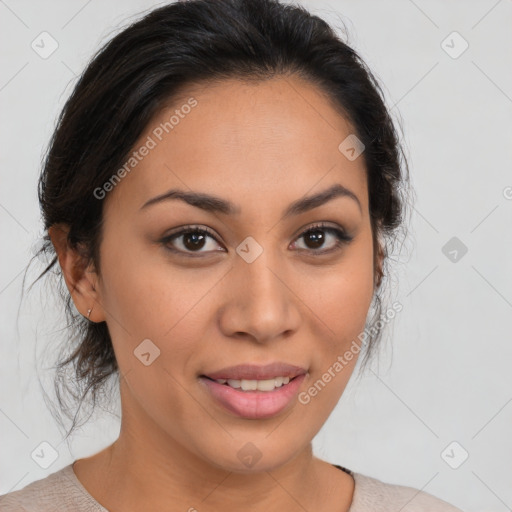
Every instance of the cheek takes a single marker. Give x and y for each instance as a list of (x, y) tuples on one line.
[(340, 301), (340, 296), (148, 297), (340, 312)]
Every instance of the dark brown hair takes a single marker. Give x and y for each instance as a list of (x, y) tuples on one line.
[(143, 68)]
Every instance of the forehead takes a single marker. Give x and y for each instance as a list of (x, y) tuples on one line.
[(268, 141)]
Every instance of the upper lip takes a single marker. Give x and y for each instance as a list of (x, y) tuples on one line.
[(255, 372)]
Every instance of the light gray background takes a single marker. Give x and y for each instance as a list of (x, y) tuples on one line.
[(445, 370)]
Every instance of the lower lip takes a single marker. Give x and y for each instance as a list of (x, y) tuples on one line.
[(254, 404)]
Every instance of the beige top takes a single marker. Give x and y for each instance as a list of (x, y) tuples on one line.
[(62, 491)]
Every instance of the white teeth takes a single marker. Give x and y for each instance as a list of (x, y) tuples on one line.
[(251, 385), (255, 385), (234, 383)]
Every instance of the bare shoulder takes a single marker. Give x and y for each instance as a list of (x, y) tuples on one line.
[(378, 496)]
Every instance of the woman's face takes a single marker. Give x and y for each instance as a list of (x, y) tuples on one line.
[(253, 291)]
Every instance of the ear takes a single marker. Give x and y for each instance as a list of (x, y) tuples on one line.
[(81, 280), (380, 254)]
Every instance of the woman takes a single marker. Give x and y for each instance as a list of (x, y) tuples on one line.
[(219, 194)]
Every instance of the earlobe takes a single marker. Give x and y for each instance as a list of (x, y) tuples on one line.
[(79, 278)]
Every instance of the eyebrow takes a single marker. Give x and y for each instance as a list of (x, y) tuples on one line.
[(216, 204)]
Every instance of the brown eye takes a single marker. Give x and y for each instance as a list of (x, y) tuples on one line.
[(318, 236), (314, 239), (190, 240), (193, 240)]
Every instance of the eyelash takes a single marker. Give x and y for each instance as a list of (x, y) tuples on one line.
[(342, 239)]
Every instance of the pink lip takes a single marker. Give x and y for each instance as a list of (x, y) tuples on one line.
[(254, 404), (255, 372)]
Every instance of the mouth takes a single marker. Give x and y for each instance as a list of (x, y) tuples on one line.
[(253, 398)]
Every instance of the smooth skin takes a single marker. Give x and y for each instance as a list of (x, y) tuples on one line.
[(260, 146)]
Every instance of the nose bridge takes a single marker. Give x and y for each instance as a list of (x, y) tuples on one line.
[(260, 276), (256, 268), (261, 302)]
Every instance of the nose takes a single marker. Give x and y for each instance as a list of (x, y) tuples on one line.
[(260, 302)]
